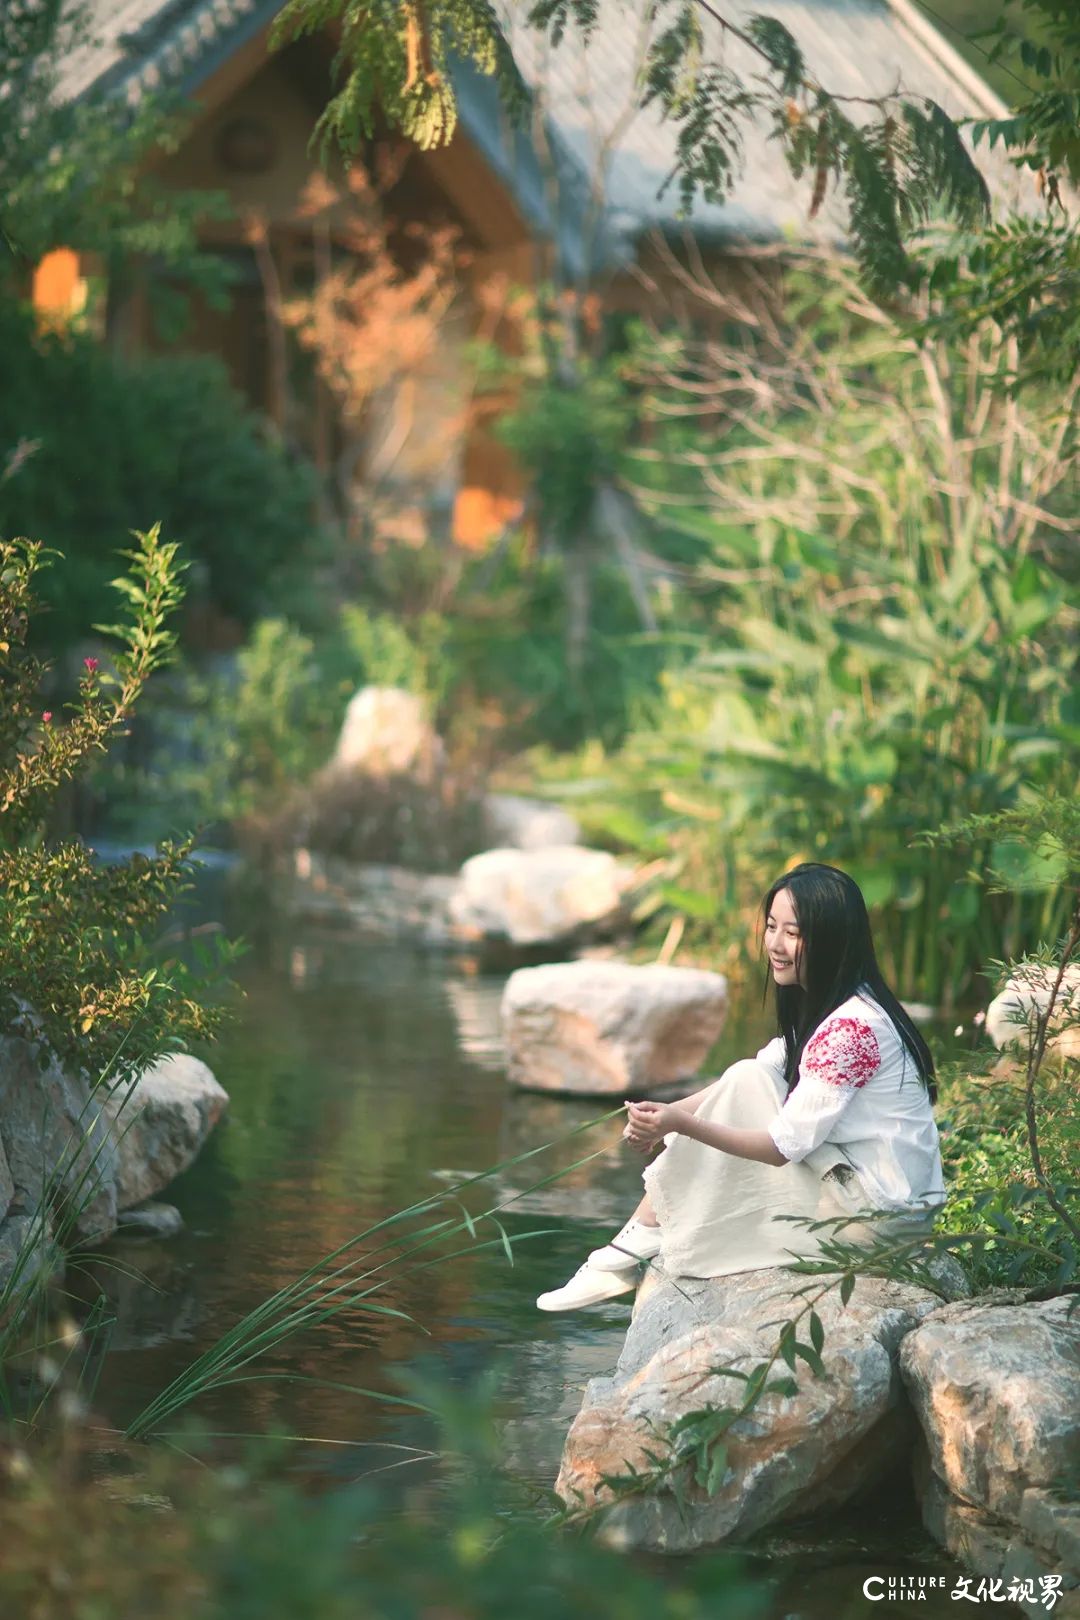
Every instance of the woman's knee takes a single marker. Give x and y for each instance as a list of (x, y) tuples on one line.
[(748, 1080)]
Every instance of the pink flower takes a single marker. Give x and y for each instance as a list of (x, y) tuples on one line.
[(91, 664), (46, 715)]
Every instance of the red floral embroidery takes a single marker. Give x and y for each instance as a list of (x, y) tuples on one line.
[(844, 1052)]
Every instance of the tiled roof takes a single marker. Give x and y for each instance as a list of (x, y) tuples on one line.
[(133, 47), (854, 47)]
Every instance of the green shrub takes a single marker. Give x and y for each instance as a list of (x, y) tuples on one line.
[(227, 747), (160, 434), (77, 938), (880, 629), (988, 1169)]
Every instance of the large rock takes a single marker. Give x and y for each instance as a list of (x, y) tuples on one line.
[(72, 1155), (58, 1151), (29, 1256), (539, 896), (386, 733), (997, 1392), (792, 1454), (599, 1028), (161, 1121), (1010, 1016), (514, 822), (1040, 1555), (7, 1182)]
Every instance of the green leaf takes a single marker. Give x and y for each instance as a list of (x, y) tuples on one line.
[(817, 1332), (787, 1345), (788, 1387), (888, 646), (811, 1357), (505, 1241), (1023, 868), (717, 1469)]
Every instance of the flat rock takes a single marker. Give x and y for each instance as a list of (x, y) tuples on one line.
[(792, 1455), (514, 822), (997, 1392), (539, 896), (160, 1122), (609, 1028)]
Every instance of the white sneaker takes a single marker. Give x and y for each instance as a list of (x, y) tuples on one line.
[(587, 1287), (634, 1243)]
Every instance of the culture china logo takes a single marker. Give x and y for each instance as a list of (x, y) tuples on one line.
[(1045, 1589)]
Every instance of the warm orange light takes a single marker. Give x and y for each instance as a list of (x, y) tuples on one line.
[(480, 515), (59, 290)]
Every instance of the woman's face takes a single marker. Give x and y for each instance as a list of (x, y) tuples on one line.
[(783, 942)]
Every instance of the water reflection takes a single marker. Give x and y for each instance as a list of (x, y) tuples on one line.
[(360, 1077), (475, 1004)]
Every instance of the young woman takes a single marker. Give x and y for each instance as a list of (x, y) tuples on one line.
[(834, 1116)]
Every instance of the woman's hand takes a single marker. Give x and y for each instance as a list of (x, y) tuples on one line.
[(650, 1122)]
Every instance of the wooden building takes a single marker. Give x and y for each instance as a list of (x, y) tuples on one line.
[(584, 198)]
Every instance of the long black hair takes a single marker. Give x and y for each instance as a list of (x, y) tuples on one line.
[(837, 948)]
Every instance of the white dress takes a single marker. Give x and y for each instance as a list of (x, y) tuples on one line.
[(857, 1131)]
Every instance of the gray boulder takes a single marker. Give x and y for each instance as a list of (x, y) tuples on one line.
[(29, 1257), (791, 1455), (72, 1156), (56, 1143), (160, 1122), (996, 1386), (997, 1392)]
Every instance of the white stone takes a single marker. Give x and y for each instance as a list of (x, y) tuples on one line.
[(151, 1220), (1027, 993), (599, 1028), (538, 896), (791, 1455), (160, 1122), (386, 732), (514, 822)]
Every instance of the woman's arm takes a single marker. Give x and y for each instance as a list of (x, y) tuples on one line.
[(650, 1121), (757, 1145)]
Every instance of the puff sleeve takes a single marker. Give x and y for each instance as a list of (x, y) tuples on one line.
[(837, 1061)]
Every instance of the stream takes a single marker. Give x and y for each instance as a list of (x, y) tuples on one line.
[(364, 1077)]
